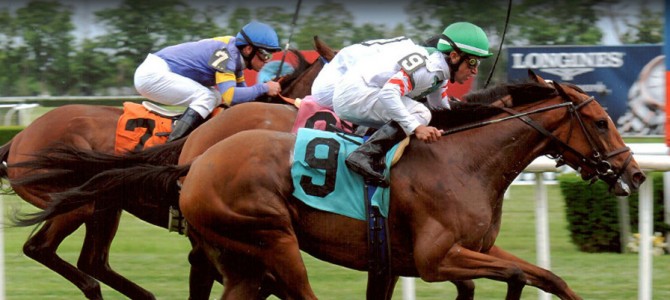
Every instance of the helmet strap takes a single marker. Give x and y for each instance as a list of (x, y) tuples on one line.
[(453, 67), (248, 58)]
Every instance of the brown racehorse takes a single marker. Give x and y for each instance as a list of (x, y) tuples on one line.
[(90, 127), (77, 165), (446, 197)]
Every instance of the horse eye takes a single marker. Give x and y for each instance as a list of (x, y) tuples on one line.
[(601, 124)]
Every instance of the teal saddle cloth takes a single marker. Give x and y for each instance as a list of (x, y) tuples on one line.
[(324, 182)]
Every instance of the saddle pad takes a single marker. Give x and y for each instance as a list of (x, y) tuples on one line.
[(322, 180), (138, 128), (312, 115)]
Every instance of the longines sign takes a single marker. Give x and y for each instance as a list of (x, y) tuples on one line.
[(606, 72)]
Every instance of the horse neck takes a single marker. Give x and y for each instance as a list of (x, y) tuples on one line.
[(489, 158), (302, 85)]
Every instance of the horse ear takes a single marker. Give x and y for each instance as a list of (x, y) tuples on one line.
[(323, 49), (560, 90), (534, 77)]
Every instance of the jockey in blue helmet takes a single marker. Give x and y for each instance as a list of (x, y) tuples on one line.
[(261, 37), (207, 73)]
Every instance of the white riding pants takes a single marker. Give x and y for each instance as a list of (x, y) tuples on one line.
[(155, 81), (358, 103)]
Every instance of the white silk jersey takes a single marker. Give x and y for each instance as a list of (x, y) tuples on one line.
[(347, 58), (391, 81)]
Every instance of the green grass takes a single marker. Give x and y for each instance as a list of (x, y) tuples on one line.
[(156, 260)]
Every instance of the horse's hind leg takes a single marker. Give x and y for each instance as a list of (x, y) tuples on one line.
[(42, 247), (203, 273), (283, 259), (94, 257)]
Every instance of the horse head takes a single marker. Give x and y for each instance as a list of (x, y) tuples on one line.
[(592, 145), (298, 84)]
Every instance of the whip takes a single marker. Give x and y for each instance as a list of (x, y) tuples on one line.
[(288, 42), (502, 39)]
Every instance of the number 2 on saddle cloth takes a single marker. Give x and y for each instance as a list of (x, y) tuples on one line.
[(138, 128)]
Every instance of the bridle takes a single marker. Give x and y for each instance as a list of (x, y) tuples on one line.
[(597, 161)]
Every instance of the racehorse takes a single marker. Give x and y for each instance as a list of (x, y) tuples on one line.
[(90, 127), (446, 197), (84, 164)]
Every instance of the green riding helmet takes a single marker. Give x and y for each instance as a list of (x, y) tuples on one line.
[(468, 37)]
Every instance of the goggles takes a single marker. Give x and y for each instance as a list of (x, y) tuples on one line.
[(264, 55), (472, 62)]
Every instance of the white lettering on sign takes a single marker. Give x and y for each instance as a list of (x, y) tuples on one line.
[(566, 64)]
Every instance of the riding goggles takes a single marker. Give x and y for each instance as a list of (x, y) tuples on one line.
[(472, 62), (264, 55)]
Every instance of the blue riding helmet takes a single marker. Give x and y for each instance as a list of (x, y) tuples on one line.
[(259, 35)]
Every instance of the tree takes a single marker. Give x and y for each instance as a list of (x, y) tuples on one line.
[(329, 20), (570, 22), (11, 55), (91, 68), (648, 30), (139, 27), (45, 28)]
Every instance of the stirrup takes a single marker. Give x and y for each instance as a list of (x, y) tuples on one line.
[(368, 177), (176, 221)]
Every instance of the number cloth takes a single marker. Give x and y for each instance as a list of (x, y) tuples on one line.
[(137, 129), (323, 181)]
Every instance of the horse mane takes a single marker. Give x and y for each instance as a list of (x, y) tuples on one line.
[(302, 65), (476, 106), (287, 80)]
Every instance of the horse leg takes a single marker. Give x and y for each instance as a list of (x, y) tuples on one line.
[(284, 261), (42, 248), (94, 257), (536, 276), (202, 274), (465, 289), (460, 263)]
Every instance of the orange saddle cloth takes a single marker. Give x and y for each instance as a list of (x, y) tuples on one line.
[(139, 128)]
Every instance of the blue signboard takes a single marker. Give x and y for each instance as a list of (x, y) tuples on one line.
[(624, 79)]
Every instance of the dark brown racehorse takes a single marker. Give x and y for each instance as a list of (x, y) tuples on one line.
[(445, 197), (90, 127)]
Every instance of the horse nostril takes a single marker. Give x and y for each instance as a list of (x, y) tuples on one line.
[(638, 179)]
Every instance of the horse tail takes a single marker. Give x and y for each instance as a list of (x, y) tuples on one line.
[(69, 166), (109, 190), (4, 154)]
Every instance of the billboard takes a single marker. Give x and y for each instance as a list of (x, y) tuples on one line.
[(628, 80)]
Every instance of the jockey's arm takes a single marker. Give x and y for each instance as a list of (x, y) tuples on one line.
[(235, 91), (390, 96), (439, 98)]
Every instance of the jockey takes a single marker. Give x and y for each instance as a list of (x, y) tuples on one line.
[(346, 58), (383, 91), (190, 73)]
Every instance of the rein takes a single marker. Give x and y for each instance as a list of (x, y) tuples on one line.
[(598, 161)]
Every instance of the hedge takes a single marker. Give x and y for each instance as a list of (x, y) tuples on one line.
[(592, 212), (8, 132)]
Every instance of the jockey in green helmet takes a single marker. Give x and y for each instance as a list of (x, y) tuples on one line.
[(468, 41)]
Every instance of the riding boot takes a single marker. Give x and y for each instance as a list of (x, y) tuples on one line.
[(188, 121), (368, 159)]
